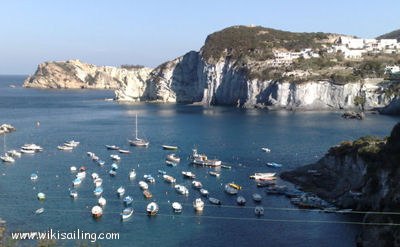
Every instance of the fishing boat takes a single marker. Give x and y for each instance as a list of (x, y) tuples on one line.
[(14, 153), (127, 213), (102, 201), (181, 189), (169, 179), (137, 141), (198, 205), (214, 201), (188, 175), (115, 157), (128, 200), (259, 210), (147, 194), (143, 185), (170, 163), (95, 176), (41, 196), (241, 200), (65, 148), (73, 193), (202, 159), (152, 208), (273, 164), (257, 197), (132, 174), (235, 186), (173, 158), (263, 176), (121, 191), (267, 150), (114, 166), (215, 174), (34, 176), (98, 182), (168, 147), (73, 169), (162, 172), (124, 151), (197, 184), (230, 190), (204, 192), (97, 211), (112, 147), (177, 207), (39, 211), (112, 173), (76, 181), (98, 191), (148, 178)]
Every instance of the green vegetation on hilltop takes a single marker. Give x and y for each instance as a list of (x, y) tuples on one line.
[(256, 42), (392, 35)]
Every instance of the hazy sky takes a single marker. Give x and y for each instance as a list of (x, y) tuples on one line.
[(150, 32)]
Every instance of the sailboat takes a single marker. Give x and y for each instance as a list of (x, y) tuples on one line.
[(6, 157), (138, 142)]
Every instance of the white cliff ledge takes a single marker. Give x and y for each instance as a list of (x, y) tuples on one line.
[(74, 74)]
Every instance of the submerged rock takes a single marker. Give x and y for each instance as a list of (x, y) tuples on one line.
[(353, 115)]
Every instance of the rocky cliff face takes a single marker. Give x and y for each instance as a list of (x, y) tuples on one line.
[(361, 175), (74, 74)]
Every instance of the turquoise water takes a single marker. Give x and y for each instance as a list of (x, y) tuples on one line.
[(232, 135)]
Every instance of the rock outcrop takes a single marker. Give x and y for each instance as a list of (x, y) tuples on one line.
[(73, 74), (361, 175)]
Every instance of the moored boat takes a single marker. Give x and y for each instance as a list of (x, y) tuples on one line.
[(273, 164), (168, 147), (230, 190), (257, 197), (112, 147), (147, 194), (95, 175), (132, 174), (73, 169), (97, 211), (215, 174), (73, 193), (177, 207), (259, 210), (263, 176), (267, 150), (235, 186), (39, 211), (14, 153), (102, 201), (173, 158), (98, 191), (112, 173), (143, 185), (41, 196), (148, 178), (81, 175), (214, 201), (7, 159), (169, 179), (241, 200), (198, 204), (98, 182), (197, 184), (115, 157), (76, 181), (121, 191), (127, 213), (65, 148), (204, 192), (128, 200), (162, 172), (114, 166), (202, 159), (138, 142), (181, 189), (152, 208), (34, 176), (124, 151), (188, 175), (170, 163)]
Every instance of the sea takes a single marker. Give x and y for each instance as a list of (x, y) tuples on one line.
[(235, 136)]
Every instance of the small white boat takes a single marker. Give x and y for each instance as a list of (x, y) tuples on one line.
[(215, 174), (115, 157), (198, 205), (77, 181), (168, 147), (39, 211), (73, 169), (114, 166), (170, 163), (41, 196), (263, 176), (273, 164), (97, 211), (123, 151), (259, 210), (26, 151), (71, 143), (98, 191), (177, 207), (132, 174), (188, 174), (98, 182), (241, 200), (90, 154), (100, 162), (214, 201), (169, 179), (162, 172), (148, 178), (257, 197), (65, 148), (14, 153), (173, 158), (33, 147), (143, 185), (204, 192), (181, 189), (112, 147), (81, 175), (95, 176), (8, 159), (34, 176), (127, 213), (112, 173), (128, 200), (102, 201), (267, 150), (73, 193), (121, 191), (152, 208), (197, 184)]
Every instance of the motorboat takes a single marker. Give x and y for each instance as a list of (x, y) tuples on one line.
[(73, 169), (230, 190), (257, 197), (132, 174), (98, 191), (127, 213), (143, 185), (177, 207), (214, 201), (215, 174), (204, 192), (148, 178), (14, 153), (39, 211), (33, 147), (121, 191), (34, 176), (173, 158), (27, 151), (100, 162), (114, 166), (181, 189), (115, 157), (235, 186), (41, 196), (128, 200), (65, 148), (198, 205), (188, 175), (170, 163), (202, 159), (138, 142), (98, 182), (76, 181), (263, 176), (97, 211), (241, 200), (95, 175), (82, 168), (259, 210), (81, 175), (162, 172), (73, 193), (112, 173), (267, 150), (71, 143), (102, 201), (273, 164), (168, 147), (147, 194), (7, 159), (124, 151), (169, 179), (112, 147), (152, 208), (197, 184)]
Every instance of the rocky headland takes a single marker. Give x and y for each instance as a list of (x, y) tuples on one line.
[(362, 175)]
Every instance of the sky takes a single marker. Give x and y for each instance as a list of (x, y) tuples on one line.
[(149, 32)]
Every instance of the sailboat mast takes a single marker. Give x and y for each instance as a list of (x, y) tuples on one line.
[(136, 127)]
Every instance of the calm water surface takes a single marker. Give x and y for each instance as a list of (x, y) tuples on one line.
[(232, 135)]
